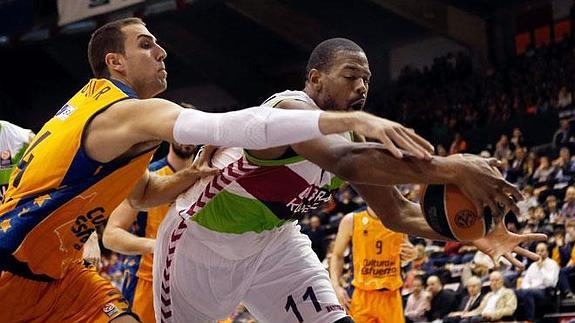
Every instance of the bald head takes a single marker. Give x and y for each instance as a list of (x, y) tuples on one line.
[(495, 281), (434, 285)]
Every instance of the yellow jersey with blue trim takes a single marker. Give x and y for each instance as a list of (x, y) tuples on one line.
[(57, 195), (375, 253)]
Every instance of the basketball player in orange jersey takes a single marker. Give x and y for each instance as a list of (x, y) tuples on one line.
[(377, 254), (95, 151), (133, 233)]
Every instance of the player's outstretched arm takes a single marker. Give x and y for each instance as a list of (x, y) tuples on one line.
[(373, 164), (116, 236), (342, 240), (132, 122)]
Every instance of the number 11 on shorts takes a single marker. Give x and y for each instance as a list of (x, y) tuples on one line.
[(309, 294)]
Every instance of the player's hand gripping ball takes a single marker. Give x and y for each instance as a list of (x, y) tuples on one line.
[(452, 214)]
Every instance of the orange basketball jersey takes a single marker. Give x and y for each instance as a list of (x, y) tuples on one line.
[(147, 224), (58, 195), (375, 252)]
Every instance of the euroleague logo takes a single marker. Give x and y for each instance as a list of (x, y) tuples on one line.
[(465, 218)]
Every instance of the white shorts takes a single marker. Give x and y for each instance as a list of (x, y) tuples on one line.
[(282, 282)]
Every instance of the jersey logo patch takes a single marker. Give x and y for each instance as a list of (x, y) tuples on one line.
[(110, 309), (65, 112)]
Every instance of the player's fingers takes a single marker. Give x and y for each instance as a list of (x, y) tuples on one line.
[(386, 141), (422, 150), (404, 142), (526, 253), (514, 261), (534, 237), (420, 140), (508, 204), (512, 190)]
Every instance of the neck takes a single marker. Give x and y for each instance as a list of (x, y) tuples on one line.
[(125, 81), (312, 94), (176, 162)]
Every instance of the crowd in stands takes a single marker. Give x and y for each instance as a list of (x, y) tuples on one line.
[(449, 97)]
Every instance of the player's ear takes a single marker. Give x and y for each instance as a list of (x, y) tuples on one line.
[(115, 62), (314, 78)]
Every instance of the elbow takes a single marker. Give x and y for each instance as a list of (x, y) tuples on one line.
[(108, 238)]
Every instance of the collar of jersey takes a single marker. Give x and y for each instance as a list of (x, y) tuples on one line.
[(126, 89)]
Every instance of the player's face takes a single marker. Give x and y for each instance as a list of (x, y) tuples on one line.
[(144, 61), (346, 83)]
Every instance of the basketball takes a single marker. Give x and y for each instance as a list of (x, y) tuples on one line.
[(450, 213)]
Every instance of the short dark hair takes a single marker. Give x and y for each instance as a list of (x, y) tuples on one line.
[(322, 56), (107, 39)]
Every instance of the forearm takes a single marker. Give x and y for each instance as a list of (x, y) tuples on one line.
[(335, 269), (124, 242), (371, 163), (261, 127), (163, 189), (397, 213)]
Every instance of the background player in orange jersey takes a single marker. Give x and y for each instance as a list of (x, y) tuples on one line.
[(377, 254), (133, 233), (98, 146)]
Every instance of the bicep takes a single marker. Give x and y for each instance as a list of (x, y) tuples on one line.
[(325, 151), (154, 119), (137, 194)]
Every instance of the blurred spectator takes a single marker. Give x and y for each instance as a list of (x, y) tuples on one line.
[(502, 148), (565, 166), (469, 302), (541, 276), (442, 301), (516, 165), (498, 303), (563, 136), (479, 267), (318, 234), (517, 139), (568, 209), (552, 211), (564, 97), (417, 302), (459, 145), (529, 202), (441, 151), (544, 174)]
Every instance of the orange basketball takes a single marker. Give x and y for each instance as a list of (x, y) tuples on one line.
[(452, 214)]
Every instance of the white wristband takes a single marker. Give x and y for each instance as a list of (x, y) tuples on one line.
[(253, 128)]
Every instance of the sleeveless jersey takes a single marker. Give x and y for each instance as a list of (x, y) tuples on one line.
[(272, 193), (146, 225), (375, 252), (57, 195), (13, 142)]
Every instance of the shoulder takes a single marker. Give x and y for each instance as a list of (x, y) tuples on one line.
[(291, 100), (346, 224)]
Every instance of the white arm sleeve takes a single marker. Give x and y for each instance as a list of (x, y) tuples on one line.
[(253, 128)]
